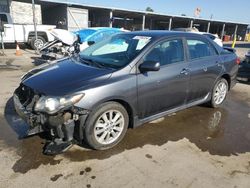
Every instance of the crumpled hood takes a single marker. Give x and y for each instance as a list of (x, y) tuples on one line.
[(65, 77), (65, 36)]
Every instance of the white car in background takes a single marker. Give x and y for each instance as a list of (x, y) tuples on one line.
[(214, 37), (25, 33)]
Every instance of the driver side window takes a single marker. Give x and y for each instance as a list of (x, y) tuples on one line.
[(167, 52)]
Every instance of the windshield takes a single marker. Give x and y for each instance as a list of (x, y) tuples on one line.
[(117, 51)]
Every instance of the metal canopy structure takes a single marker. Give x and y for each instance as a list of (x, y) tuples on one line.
[(72, 3), (136, 20), (100, 16)]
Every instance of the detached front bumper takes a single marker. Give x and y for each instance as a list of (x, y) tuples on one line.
[(62, 128), (33, 120), (60, 125)]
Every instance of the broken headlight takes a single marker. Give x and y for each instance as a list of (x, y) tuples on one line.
[(52, 105)]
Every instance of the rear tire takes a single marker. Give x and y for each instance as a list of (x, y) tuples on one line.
[(219, 93), (106, 126)]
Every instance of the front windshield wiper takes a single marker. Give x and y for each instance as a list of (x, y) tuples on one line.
[(91, 62)]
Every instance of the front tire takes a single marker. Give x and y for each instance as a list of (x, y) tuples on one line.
[(37, 44), (106, 126), (219, 93)]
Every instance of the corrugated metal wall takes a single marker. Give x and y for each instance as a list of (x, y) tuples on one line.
[(77, 18)]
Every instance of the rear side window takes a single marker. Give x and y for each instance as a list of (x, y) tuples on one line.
[(168, 52), (199, 49)]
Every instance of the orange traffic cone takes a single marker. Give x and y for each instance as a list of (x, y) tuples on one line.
[(18, 51)]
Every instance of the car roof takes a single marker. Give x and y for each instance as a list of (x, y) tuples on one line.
[(103, 28), (164, 33)]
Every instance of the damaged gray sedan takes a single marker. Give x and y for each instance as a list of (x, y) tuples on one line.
[(123, 81)]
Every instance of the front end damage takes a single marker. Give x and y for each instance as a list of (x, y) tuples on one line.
[(61, 127)]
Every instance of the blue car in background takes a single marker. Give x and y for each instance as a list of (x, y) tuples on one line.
[(96, 34), (67, 43)]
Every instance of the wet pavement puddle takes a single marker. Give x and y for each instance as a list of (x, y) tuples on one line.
[(6, 64), (223, 131)]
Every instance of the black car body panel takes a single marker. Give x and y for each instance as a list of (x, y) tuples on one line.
[(147, 95), (66, 77), (244, 69)]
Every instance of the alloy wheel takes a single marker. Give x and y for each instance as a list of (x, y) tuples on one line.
[(220, 93), (109, 127), (38, 43)]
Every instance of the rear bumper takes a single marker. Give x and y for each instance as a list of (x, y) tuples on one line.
[(243, 78), (243, 75)]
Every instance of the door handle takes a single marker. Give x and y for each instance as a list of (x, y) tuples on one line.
[(219, 64), (205, 69), (185, 71)]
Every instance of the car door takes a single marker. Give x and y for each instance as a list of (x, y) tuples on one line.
[(167, 88), (205, 67)]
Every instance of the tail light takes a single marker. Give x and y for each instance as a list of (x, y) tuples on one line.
[(238, 60)]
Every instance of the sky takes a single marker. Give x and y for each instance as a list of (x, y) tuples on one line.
[(229, 10)]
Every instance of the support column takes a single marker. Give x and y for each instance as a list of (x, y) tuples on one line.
[(143, 22), (236, 28), (245, 36), (191, 23), (34, 19), (111, 18), (223, 31), (170, 24), (208, 27)]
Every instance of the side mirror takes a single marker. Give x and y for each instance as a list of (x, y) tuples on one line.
[(91, 43), (149, 66), (79, 39)]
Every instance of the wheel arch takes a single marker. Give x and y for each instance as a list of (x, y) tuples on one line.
[(228, 79), (127, 105), (128, 108), (120, 101), (39, 33)]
